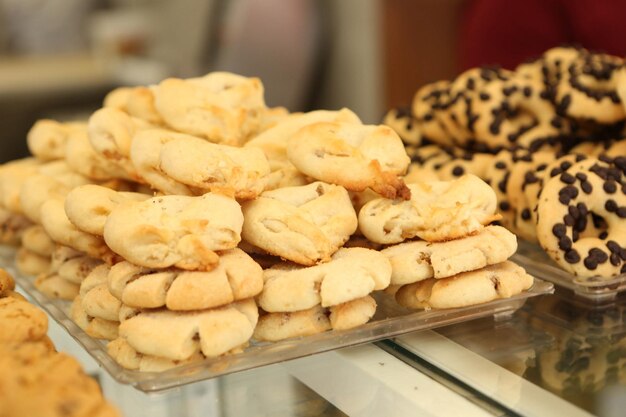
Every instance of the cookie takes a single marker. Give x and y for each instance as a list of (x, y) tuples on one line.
[(437, 211), (88, 206), (145, 154), (53, 286), (420, 260), (352, 273), (465, 163), (129, 358), (21, 321), (46, 139), (178, 336), (61, 230), (273, 143), (12, 176), (501, 280), (6, 282), (96, 327), (523, 224), (568, 205), (404, 124), (353, 156), (30, 263), (12, 227), (220, 107), (352, 314), (56, 380), (82, 158), (425, 107), (36, 240), (175, 230), (111, 132), (77, 268), (236, 277), (303, 224), (587, 88), (273, 327), (38, 189), (237, 172)]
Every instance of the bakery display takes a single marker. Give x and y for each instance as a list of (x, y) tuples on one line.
[(202, 223), (548, 137)]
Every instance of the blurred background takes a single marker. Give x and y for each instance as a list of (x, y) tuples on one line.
[(58, 58)]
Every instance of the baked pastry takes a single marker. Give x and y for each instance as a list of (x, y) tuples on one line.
[(180, 335), (303, 224), (82, 158), (12, 176), (273, 143), (221, 107), (36, 240), (237, 172), (351, 155), (46, 139), (501, 280), (175, 230), (236, 277), (21, 321), (111, 132), (125, 355), (61, 230), (419, 260), (30, 263), (351, 273), (437, 211), (564, 218), (88, 206), (145, 154)]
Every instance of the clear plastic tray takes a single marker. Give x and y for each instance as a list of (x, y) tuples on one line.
[(537, 262), (390, 320)]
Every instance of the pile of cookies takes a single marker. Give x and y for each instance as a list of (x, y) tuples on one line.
[(186, 219), (526, 133), (35, 380)]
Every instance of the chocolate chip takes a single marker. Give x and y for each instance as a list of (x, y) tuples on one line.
[(457, 171), (500, 165), (527, 91), (505, 206), (611, 206), (621, 212), (471, 83), (586, 187), (603, 235), (610, 187), (555, 171), (596, 256), (559, 230), (484, 96), (569, 220), (572, 256), (567, 193), (567, 178), (582, 209), (581, 176), (573, 211), (565, 165), (613, 246), (565, 243), (525, 214), (615, 260)]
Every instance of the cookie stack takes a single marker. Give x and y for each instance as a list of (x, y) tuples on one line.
[(514, 129), (155, 216), (30, 368), (460, 260)]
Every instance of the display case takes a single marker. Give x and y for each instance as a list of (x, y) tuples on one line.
[(556, 355)]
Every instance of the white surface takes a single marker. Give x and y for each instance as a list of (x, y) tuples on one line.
[(366, 381), (490, 379)]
